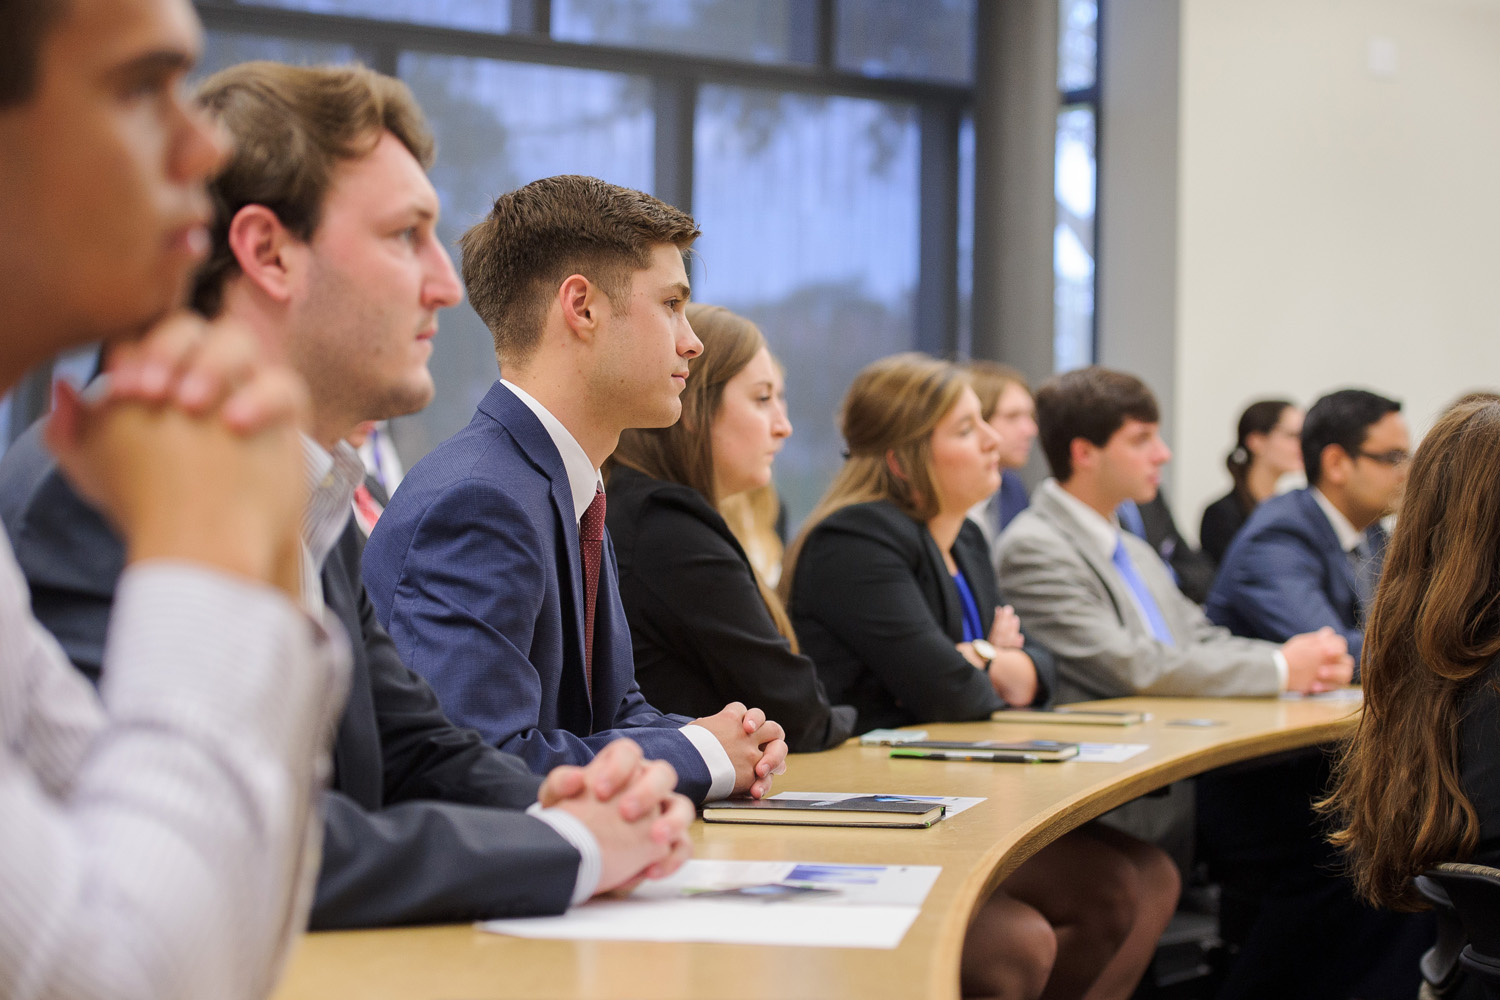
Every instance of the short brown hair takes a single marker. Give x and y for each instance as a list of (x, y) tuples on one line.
[(536, 236), (1090, 403), (292, 126), (989, 380), (24, 26)]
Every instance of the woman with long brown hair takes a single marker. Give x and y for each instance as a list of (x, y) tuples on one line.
[(894, 597), (705, 627), (1419, 783)]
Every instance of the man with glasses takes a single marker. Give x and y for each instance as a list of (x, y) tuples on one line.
[(1310, 559)]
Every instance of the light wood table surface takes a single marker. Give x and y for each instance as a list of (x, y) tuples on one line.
[(1026, 807)]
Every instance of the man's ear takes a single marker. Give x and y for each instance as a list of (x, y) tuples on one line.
[(1334, 464), (1081, 453), (579, 299), (260, 244)]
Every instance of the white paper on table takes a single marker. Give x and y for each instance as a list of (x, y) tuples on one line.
[(1109, 753), (873, 907), (1337, 694), (955, 803)]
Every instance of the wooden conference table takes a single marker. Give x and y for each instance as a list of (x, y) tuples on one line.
[(1025, 807)]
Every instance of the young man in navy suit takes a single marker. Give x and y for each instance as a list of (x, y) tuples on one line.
[(331, 261), (491, 568), (1310, 559)]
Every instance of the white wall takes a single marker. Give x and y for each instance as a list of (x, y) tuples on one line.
[(1335, 227)]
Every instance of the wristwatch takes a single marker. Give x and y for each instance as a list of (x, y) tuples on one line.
[(986, 651)]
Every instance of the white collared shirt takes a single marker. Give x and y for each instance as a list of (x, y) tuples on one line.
[(1349, 536), (161, 836), (1104, 535), (584, 480)]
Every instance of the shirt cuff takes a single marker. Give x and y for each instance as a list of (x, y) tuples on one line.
[(1281, 668), (571, 829), (715, 758)]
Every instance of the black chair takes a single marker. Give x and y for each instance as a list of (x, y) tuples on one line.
[(1473, 893)]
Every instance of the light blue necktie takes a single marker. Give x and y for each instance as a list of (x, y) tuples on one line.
[(1138, 587)]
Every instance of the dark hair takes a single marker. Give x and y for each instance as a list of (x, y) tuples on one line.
[(536, 236), (989, 380), (292, 126), (1259, 418), (1342, 418), (1090, 403), (1433, 628), (24, 25)]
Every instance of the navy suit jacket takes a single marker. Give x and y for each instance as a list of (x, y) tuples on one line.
[(424, 822), (1285, 573), (474, 570)]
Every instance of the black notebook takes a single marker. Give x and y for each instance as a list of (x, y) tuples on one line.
[(862, 810)]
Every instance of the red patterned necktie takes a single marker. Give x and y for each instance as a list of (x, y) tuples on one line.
[(591, 544)]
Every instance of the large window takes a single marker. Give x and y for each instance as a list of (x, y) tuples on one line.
[(809, 213), (799, 133), (1076, 184)]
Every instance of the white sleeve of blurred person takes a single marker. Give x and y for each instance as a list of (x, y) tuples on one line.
[(160, 839)]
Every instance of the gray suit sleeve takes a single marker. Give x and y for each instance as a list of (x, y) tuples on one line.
[(1100, 652)]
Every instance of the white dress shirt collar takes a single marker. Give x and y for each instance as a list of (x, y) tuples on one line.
[(1103, 533), (583, 479), (1349, 536)]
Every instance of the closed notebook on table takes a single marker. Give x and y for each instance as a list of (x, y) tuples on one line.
[(1021, 751), (863, 810), (1069, 716)]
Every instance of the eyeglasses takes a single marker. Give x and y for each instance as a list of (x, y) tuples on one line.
[(1395, 457)]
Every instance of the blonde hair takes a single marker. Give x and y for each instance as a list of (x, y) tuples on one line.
[(752, 516), (887, 419), (683, 452), (989, 380)]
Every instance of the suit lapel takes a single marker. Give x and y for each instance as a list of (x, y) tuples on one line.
[(1063, 521), (506, 409), (950, 607), (1343, 594)]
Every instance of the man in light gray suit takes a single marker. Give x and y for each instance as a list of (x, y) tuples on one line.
[(1103, 602), (1100, 598)]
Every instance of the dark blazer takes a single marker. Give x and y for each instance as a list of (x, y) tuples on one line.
[(1285, 573), (1478, 764), (1222, 520), (475, 572), (424, 822), (701, 631), (876, 610)]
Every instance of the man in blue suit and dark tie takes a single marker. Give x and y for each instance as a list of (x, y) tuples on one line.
[(491, 568), (1310, 559)]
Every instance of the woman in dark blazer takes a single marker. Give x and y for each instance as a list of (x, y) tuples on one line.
[(894, 598), (878, 611), (704, 627), (1267, 446)]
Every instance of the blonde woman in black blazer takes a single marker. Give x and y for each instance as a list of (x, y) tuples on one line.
[(892, 594)]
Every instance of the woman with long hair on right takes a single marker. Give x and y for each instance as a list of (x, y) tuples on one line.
[(894, 597), (1419, 783), (1267, 446)]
